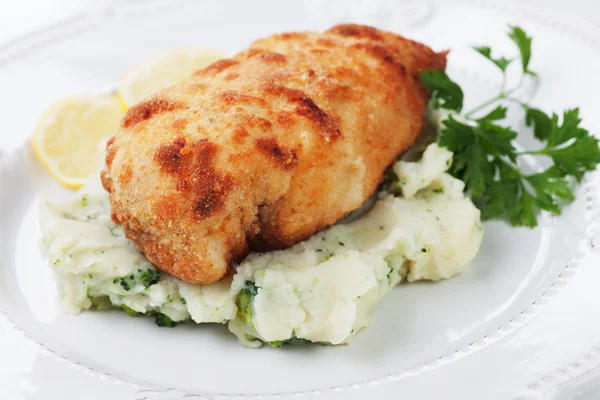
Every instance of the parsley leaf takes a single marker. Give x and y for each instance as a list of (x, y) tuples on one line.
[(580, 156), (551, 188), (502, 195), (476, 172), (524, 214), (523, 42), (486, 159), (445, 93), (540, 121), (501, 62), (509, 197), (572, 149), (568, 130), (455, 135), (471, 146), (497, 140), (494, 115)]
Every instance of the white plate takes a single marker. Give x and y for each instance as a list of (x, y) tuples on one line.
[(523, 323)]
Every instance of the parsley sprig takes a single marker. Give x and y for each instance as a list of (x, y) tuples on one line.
[(485, 156)]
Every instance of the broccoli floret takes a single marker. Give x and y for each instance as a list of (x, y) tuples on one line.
[(129, 310), (296, 341), (107, 305), (148, 277), (244, 302), (128, 282), (101, 303), (145, 278), (164, 321), (293, 340)]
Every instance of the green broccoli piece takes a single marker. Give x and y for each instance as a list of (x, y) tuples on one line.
[(164, 321), (128, 282), (101, 303), (296, 341), (244, 302), (293, 340), (145, 278), (148, 277), (129, 310)]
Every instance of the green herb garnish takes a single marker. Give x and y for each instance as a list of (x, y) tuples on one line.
[(485, 157)]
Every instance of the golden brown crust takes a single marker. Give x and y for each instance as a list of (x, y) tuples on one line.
[(357, 32), (217, 67), (179, 125), (233, 98), (280, 156), (106, 180), (111, 151), (169, 157), (193, 167), (126, 175), (262, 150), (272, 57), (263, 124), (322, 122), (209, 187), (148, 109)]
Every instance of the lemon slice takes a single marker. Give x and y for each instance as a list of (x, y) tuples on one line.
[(164, 70), (67, 138)]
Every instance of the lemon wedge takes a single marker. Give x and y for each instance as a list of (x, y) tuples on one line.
[(68, 137), (164, 70)]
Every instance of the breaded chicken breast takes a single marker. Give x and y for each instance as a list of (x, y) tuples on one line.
[(260, 151)]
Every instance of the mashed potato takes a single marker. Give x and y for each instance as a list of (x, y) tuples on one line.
[(320, 290)]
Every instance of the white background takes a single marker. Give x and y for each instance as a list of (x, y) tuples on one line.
[(18, 17), (21, 16)]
